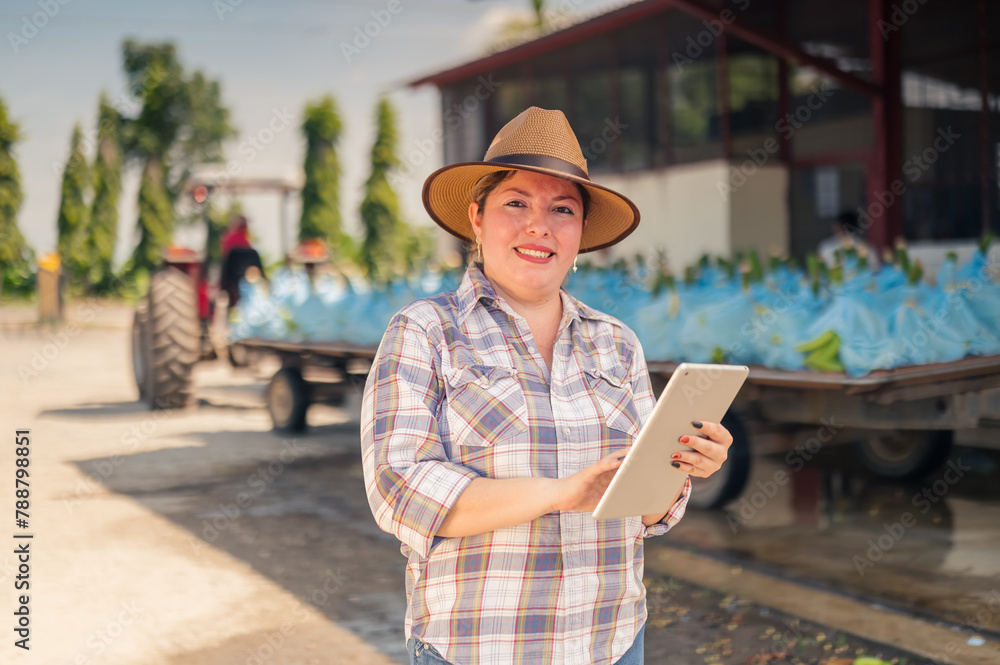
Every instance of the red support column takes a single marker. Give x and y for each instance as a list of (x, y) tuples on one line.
[(893, 99), (882, 223), (984, 122)]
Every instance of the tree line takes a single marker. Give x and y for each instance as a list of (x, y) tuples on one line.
[(169, 121)]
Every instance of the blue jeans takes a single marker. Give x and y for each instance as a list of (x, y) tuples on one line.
[(425, 654)]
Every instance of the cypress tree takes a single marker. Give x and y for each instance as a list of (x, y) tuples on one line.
[(12, 246), (384, 231), (107, 188), (182, 121), (156, 217), (71, 222), (321, 193)]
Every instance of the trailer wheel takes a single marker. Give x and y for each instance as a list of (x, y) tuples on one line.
[(728, 482), (172, 339), (288, 400), (140, 321), (905, 455)]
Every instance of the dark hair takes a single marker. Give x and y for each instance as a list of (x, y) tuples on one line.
[(489, 182)]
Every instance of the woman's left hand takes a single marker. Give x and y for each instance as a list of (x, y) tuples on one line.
[(710, 447)]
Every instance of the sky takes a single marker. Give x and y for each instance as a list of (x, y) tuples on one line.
[(271, 57)]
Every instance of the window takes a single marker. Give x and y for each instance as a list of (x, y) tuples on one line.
[(463, 123), (636, 53), (692, 74), (949, 163), (753, 99), (592, 111)]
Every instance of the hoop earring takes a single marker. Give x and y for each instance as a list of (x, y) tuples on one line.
[(574, 264), (479, 251)]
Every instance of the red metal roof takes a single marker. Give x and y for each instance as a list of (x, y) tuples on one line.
[(586, 29), (632, 13)]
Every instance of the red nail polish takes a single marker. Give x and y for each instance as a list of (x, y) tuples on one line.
[(685, 439), (675, 456)]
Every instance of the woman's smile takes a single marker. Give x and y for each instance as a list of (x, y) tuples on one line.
[(534, 253), (529, 228)]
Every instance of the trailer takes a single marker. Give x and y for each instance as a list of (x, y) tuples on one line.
[(903, 422), (311, 372)]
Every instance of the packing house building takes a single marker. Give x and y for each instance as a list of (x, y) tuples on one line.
[(755, 124)]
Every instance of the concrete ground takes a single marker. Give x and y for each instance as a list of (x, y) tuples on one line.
[(113, 578), (202, 537)]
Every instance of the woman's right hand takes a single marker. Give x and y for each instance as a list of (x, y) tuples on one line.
[(583, 490)]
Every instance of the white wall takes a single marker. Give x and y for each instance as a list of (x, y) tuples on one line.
[(689, 211), (683, 211), (932, 254), (694, 209), (759, 212)]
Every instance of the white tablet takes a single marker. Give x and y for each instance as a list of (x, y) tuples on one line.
[(645, 483)]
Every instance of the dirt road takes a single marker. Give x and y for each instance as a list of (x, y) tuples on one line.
[(124, 567)]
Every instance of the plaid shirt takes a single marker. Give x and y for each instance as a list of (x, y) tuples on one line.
[(459, 391)]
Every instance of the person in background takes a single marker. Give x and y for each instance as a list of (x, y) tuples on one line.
[(846, 234), (236, 235), (237, 255), (496, 415)]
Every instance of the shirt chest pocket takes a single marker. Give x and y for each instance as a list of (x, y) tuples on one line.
[(612, 390), (486, 405)]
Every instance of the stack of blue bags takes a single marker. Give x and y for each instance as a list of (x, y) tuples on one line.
[(849, 318), (326, 308)]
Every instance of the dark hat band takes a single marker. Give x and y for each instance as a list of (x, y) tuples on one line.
[(542, 162)]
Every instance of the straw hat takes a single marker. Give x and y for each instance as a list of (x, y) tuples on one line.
[(536, 140)]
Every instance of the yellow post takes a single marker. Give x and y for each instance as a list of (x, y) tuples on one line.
[(49, 297)]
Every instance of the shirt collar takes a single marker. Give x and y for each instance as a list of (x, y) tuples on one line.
[(577, 309), (475, 287)]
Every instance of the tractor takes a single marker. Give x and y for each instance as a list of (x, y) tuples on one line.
[(173, 323)]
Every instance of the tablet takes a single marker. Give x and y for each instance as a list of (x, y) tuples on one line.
[(645, 483)]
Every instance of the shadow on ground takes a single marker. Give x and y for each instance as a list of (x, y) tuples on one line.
[(293, 508)]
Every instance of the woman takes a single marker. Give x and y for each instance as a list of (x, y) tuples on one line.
[(496, 415)]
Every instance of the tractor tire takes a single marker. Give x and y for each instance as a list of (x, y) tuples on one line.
[(173, 338), (140, 321)]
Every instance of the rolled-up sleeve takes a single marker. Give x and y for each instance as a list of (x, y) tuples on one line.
[(410, 482), (642, 393), (673, 515)]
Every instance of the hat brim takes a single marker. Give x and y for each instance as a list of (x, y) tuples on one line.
[(610, 216)]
